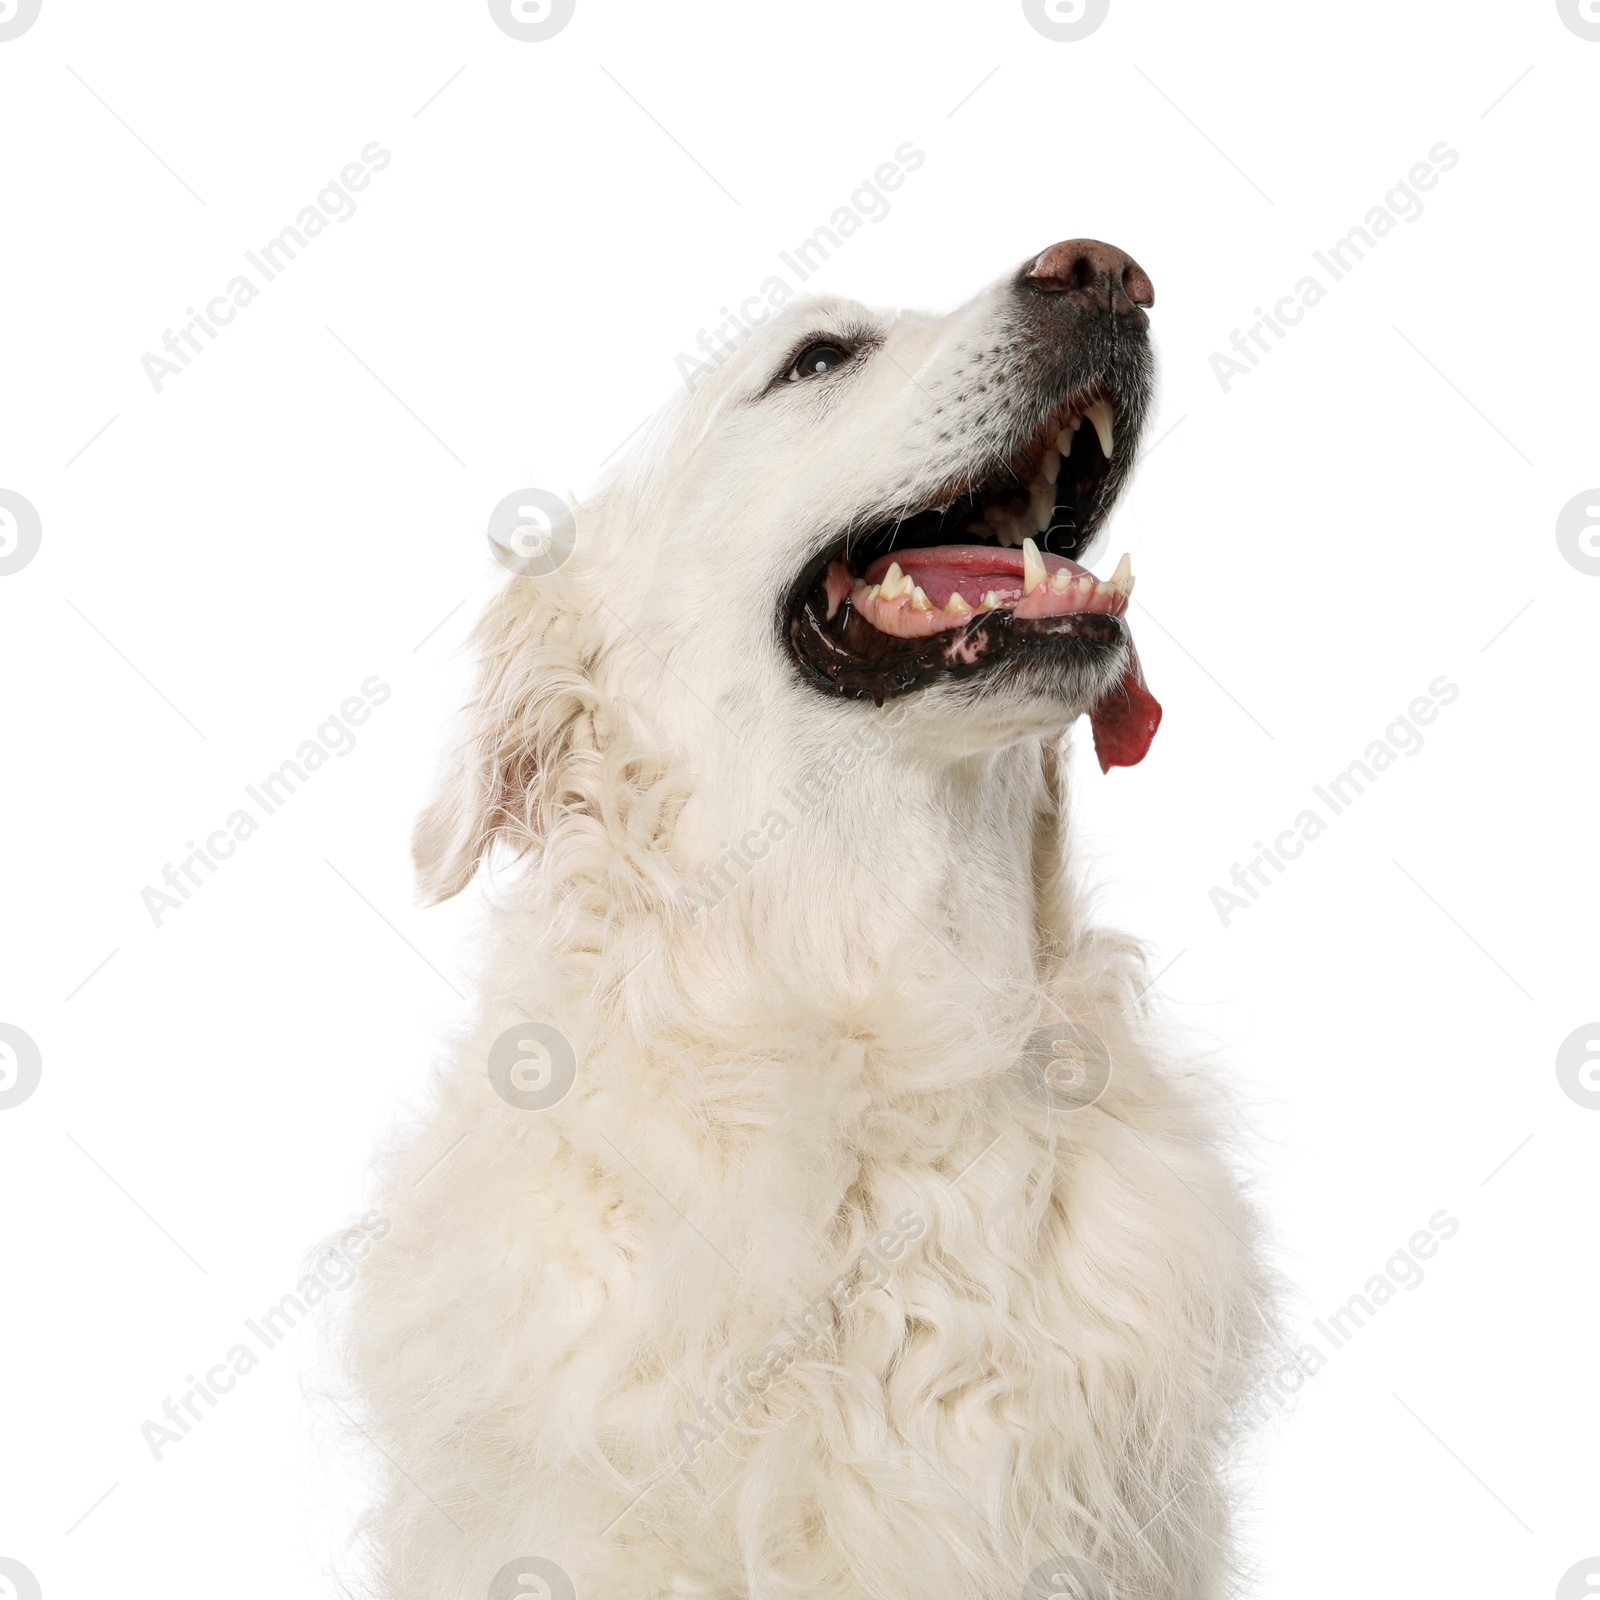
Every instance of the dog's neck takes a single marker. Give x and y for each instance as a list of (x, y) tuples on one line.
[(832, 880)]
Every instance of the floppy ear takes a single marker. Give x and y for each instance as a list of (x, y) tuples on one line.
[(512, 767)]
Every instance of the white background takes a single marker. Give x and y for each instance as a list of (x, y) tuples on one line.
[(225, 561)]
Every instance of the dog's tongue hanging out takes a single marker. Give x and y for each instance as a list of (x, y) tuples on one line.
[(1125, 722), (914, 594)]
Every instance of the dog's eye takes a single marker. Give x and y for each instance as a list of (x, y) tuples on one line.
[(816, 359)]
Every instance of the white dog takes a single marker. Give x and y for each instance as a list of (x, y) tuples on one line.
[(818, 1221)]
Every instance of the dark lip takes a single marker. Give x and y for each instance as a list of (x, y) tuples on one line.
[(882, 671), (847, 656)]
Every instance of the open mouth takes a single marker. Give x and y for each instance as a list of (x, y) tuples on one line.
[(983, 580)]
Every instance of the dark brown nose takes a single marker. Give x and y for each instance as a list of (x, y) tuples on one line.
[(1105, 276)]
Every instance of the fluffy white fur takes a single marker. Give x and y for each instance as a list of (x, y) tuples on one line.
[(1040, 1363)]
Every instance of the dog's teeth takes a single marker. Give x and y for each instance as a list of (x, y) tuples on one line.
[(1124, 573), (896, 584), (1061, 579), (1127, 587), (1050, 467), (991, 601), (981, 528), (1100, 415), (956, 605), (919, 600), (1064, 441), (1042, 508), (1033, 573), (1086, 584)]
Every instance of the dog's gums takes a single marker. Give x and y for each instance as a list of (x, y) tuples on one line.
[(885, 616)]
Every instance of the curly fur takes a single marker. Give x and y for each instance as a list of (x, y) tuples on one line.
[(1006, 1334)]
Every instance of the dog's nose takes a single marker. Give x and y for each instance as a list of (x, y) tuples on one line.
[(1097, 273)]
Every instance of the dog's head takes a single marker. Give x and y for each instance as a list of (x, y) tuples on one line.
[(856, 515)]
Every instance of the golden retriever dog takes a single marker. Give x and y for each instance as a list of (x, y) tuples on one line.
[(824, 1216)]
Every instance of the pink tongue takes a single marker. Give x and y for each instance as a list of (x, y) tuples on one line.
[(1125, 722), (969, 570)]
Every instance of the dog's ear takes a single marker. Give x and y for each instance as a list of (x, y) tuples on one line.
[(505, 777)]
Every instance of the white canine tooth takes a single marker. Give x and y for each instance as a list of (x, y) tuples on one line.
[(1042, 508), (1051, 465), (1124, 573), (1127, 588), (1061, 579), (956, 605), (919, 600), (1033, 573), (991, 601), (1100, 415)]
